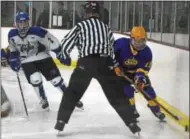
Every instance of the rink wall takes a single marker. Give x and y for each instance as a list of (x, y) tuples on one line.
[(181, 40), (170, 68)]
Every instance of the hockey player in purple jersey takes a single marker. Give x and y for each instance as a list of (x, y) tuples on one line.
[(135, 58), (4, 57)]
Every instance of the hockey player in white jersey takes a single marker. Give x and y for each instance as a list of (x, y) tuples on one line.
[(29, 48)]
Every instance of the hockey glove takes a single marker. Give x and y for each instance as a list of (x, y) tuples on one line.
[(65, 61), (60, 57), (14, 61), (140, 82), (117, 69)]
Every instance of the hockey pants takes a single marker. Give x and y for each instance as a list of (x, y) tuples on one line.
[(129, 92), (112, 85)]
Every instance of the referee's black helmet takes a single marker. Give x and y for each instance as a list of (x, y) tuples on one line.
[(92, 7)]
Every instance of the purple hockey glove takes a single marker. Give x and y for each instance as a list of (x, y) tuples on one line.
[(65, 61), (60, 57), (140, 82)]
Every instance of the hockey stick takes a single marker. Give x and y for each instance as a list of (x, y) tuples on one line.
[(146, 94), (22, 94)]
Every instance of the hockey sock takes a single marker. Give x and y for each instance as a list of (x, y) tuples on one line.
[(40, 91), (153, 106), (61, 86)]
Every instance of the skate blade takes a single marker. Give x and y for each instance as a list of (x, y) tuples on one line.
[(82, 108), (59, 134), (137, 135), (162, 121), (137, 121), (46, 109)]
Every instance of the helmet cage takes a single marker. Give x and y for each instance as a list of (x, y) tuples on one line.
[(22, 27), (138, 44)]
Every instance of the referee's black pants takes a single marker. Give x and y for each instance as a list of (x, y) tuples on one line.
[(113, 86)]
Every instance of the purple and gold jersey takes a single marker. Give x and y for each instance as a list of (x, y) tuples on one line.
[(5, 53), (132, 61)]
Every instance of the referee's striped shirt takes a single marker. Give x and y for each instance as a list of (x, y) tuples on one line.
[(91, 37)]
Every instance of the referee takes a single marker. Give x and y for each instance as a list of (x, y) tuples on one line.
[(95, 44)]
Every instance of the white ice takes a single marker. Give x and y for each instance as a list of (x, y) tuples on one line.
[(98, 120)]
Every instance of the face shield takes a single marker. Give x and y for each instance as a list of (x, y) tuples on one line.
[(22, 27), (138, 44), (138, 38)]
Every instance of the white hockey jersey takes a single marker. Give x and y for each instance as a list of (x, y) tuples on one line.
[(34, 46)]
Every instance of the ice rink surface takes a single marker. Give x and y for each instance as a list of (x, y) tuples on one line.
[(98, 120)]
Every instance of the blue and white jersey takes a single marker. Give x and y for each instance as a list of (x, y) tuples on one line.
[(34, 46)]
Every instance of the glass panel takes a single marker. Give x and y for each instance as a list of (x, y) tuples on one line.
[(188, 44), (147, 17), (182, 37), (123, 14), (168, 22), (25, 6), (156, 19), (115, 16), (40, 10), (7, 13), (138, 13), (62, 12), (126, 19), (22, 6), (78, 12), (130, 10), (104, 13)]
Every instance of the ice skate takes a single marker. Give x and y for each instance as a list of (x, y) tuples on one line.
[(80, 105), (136, 115), (59, 125), (161, 116), (44, 104), (134, 128)]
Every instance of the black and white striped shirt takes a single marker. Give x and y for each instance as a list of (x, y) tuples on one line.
[(91, 37)]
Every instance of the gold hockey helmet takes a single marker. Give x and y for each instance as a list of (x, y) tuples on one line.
[(138, 37)]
